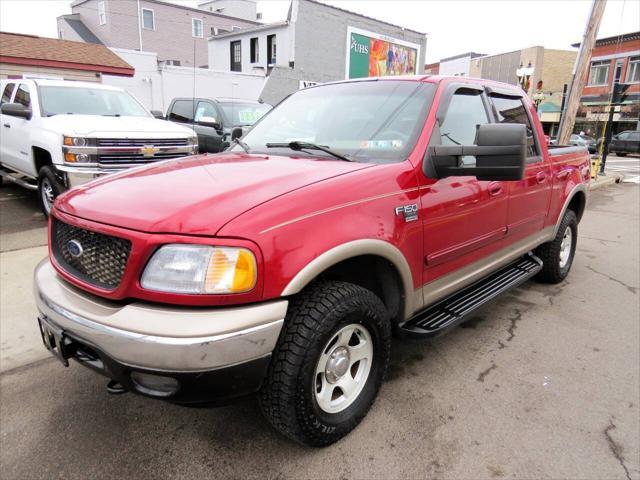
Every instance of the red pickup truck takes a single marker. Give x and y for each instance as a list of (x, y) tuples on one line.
[(351, 212)]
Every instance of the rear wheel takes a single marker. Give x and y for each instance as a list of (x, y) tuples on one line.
[(557, 255), (621, 154), (49, 187), (329, 363)]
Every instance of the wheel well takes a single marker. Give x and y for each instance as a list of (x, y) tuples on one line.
[(373, 273), (578, 204), (41, 158)]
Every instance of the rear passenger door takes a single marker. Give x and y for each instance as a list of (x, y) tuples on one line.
[(528, 198)]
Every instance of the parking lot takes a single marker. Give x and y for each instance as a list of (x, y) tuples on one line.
[(542, 383)]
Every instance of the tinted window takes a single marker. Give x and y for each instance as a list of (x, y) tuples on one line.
[(511, 110), (22, 95), (466, 111), (182, 111), (623, 136), (6, 94), (634, 136)]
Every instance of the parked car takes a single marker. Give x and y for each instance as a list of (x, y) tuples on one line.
[(625, 142), (579, 140), (214, 119), (60, 134), (283, 265)]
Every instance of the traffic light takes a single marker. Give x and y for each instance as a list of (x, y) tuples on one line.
[(619, 93)]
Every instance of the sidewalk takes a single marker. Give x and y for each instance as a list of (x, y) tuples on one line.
[(604, 180)]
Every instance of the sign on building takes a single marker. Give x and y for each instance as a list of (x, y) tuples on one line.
[(370, 54)]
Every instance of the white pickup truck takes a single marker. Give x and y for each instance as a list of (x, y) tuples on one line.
[(59, 134)]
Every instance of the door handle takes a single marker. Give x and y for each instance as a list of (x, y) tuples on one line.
[(6, 125), (562, 175), (495, 189), (541, 177)]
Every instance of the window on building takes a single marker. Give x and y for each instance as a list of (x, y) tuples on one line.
[(196, 27), (271, 49), (255, 52), (23, 96), (633, 70), (236, 56), (148, 19), (6, 94), (512, 110), (599, 73), (182, 111), (102, 14)]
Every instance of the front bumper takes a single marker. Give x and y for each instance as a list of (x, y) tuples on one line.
[(196, 346)]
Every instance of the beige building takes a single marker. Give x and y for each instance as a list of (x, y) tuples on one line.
[(177, 33), (541, 72)]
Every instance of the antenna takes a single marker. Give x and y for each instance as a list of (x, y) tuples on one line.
[(193, 103)]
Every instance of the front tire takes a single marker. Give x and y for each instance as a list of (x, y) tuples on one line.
[(557, 255), (49, 187), (329, 363)]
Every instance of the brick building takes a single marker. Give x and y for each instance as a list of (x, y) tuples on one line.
[(28, 56), (614, 59), (176, 33)]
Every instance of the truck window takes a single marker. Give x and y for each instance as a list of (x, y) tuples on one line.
[(182, 111), (206, 109), (511, 110), (6, 94), (466, 111), (22, 95)]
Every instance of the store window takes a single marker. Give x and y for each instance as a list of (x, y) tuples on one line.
[(633, 70), (599, 73)]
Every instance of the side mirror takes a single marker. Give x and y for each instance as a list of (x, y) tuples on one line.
[(237, 132), (157, 114), (16, 110), (209, 122), (501, 153)]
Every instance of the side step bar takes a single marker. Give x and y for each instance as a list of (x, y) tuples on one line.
[(18, 179), (449, 312)]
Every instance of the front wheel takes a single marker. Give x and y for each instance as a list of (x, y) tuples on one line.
[(330, 360), (557, 255), (49, 187)]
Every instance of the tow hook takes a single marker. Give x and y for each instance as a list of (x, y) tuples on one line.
[(114, 388)]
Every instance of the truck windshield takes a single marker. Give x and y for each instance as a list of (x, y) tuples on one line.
[(88, 101), (240, 113), (367, 121)]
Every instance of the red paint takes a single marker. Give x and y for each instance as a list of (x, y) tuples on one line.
[(125, 72), (291, 210)]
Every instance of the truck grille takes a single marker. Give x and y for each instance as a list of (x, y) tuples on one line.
[(92, 257), (141, 142), (118, 159)]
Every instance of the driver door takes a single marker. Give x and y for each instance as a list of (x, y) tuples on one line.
[(209, 139), (463, 219)]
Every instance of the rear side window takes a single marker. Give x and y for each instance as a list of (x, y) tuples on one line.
[(6, 93), (22, 95), (512, 110), (182, 111)]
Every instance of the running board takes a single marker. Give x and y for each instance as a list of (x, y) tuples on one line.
[(18, 179), (454, 309)]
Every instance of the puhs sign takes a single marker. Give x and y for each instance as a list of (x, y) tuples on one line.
[(371, 54)]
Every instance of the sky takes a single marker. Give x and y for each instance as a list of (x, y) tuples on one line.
[(452, 27)]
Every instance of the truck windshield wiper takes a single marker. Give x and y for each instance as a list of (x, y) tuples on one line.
[(298, 146), (243, 145)]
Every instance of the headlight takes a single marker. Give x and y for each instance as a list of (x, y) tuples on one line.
[(74, 141), (200, 269)]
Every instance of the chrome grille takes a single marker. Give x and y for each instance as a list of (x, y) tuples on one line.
[(141, 142), (118, 159), (102, 259)]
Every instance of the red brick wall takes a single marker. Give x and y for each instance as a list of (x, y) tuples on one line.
[(613, 49)]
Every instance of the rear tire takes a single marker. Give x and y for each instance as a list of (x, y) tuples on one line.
[(557, 255), (49, 187), (621, 154), (303, 396)]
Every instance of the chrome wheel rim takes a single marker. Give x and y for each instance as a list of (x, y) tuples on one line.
[(343, 368), (565, 247), (47, 194)]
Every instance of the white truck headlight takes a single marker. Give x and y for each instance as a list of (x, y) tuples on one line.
[(200, 269)]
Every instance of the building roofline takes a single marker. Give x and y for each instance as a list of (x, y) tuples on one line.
[(184, 7), (623, 37), (257, 28), (462, 55), (121, 71)]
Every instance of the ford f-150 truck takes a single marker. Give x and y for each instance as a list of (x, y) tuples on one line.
[(59, 134), (351, 212)]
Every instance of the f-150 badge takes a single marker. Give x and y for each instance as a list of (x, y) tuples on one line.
[(410, 212)]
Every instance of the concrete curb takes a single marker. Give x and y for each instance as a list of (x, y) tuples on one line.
[(606, 180)]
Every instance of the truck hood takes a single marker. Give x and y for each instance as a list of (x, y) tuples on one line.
[(96, 126), (195, 195)]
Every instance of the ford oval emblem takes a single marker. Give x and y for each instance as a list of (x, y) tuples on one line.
[(74, 248)]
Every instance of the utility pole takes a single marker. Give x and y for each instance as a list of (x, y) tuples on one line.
[(580, 69)]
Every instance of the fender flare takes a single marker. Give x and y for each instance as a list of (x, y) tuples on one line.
[(581, 187), (356, 248)]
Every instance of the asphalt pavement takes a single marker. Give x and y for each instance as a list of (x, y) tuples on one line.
[(542, 383)]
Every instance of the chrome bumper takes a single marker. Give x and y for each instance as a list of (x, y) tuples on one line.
[(160, 338)]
